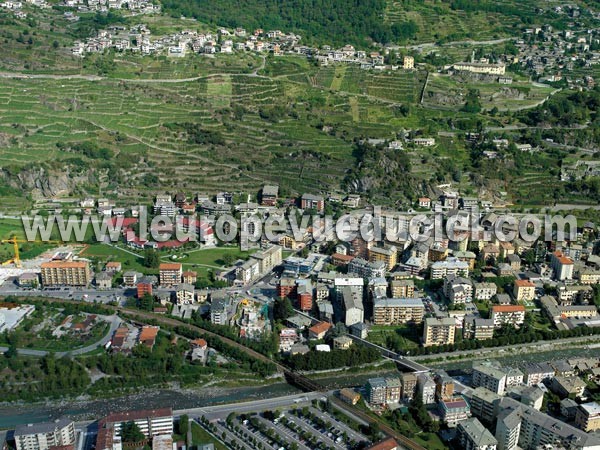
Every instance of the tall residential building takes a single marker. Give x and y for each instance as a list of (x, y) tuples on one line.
[(489, 375), (508, 314), (533, 429), (562, 265), (484, 404), (304, 294), (472, 435), (394, 311), (42, 436), (380, 391), (386, 254), (508, 429), (524, 291), (169, 274), (409, 386), (269, 195), (402, 288), (354, 311), (444, 385), (458, 289), (485, 291), (367, 269), (587, 416), (450, 266), (66, 273), (309, 201), (438, 331), (151, 423), (268, 258), (454, 410), (426, 388)]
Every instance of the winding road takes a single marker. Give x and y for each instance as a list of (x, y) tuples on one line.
[(114, 321)]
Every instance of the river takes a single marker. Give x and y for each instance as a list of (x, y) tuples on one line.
[(79, 410)]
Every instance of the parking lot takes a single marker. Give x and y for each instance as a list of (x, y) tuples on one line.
[(305, 426)]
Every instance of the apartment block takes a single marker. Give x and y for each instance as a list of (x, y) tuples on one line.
[(485, 291), (151, 423), (451, 266), (524, 291), (563, 266), (394, 311), (409, 386), (42, 436), (472, 435), (587, 417), (489, 375), (508, 315), (66, 273), (426, 388), (169, 274), (268, 258), (438, 331), (380, 391), (521, 426), (484, 404), (402, 288), (388, 255), (367, 269)]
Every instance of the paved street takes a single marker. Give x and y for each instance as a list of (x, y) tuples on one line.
[(222, 411)]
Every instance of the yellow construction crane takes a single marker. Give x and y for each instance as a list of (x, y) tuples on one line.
[(15, 242)]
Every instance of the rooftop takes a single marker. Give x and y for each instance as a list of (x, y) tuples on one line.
[(507, 308), (42, 427)]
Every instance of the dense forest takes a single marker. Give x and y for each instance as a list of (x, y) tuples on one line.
[(335, 21)]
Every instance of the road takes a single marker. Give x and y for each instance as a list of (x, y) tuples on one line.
[(222, 411), (114, 321)]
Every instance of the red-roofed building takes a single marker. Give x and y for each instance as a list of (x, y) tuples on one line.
[(524, 291), (562, 265), (151, 423), (169, 274), (199, 343), (337, 259), (144, 287), (386, 444), (319, 330), (148, 335), (508, 314)]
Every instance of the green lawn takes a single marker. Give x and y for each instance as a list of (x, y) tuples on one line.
[(201, 436), (213, 257), (406, 337), (105, 253), (10, 227)]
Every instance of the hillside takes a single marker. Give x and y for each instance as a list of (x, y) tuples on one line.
[(132, 125)]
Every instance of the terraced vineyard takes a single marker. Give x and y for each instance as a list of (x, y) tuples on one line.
[(438, 21), (447, 92)]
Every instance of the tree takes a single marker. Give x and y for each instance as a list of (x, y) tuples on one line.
[(228, 259), (184, 424), (130, 432), (11, 352), (282, 308), (151, 258), (146, 302)]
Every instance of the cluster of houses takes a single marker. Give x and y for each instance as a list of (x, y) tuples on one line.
[(139, 39), (17, 6), (134, 6)]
